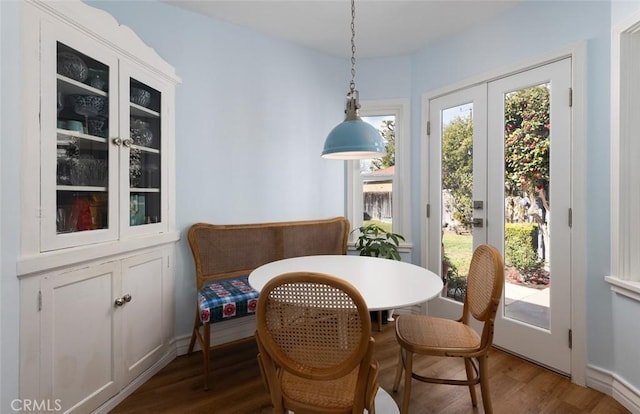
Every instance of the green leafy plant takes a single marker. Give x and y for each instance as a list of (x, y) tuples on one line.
[(527, 141), (378, 242), (448, 267), (455, 286), (520, 250)]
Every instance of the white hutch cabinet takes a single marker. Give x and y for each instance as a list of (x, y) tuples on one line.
[(97, 200)]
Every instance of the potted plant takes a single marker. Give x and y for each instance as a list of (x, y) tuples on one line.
[(376, 241)]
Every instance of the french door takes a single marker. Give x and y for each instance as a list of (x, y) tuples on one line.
[(499, 165)]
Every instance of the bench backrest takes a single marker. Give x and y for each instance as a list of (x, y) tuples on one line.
[(225, 251)]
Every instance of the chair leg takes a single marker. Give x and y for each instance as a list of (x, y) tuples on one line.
[(379, 321), (396, 383), (470, 375), (205, 353), (484, 384), (408, 370)]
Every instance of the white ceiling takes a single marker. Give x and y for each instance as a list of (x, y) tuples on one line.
[(383, 27)]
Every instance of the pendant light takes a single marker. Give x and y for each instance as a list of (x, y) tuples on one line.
[(353, 138)]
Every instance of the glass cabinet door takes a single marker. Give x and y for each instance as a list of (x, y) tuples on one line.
[(82, 147), (78, 161), (143, 114), (145, 149)]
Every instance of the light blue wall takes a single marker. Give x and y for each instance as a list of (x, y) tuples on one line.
[(626, 337), (252, 114), (10, 132), (621, 9), (383, 78)]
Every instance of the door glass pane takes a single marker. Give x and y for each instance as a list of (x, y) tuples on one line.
[(377, 177), (144, 154), (82, 156), (457, 190), (527, 205)]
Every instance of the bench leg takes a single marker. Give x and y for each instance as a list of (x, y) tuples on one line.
[(206, 329)]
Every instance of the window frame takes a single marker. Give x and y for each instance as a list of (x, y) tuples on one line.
[(399, 108), (625, 227)]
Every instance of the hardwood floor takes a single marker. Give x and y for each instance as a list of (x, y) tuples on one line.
[(516, 386)]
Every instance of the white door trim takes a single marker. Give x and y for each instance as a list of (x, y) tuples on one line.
[(578, 234)]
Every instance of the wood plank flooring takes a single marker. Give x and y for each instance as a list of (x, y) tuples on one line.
[(516, 386)]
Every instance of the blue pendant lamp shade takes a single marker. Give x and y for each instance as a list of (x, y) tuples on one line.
[(353, 139)]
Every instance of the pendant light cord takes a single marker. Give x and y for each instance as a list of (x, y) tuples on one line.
[(353, 139), (352, 84)]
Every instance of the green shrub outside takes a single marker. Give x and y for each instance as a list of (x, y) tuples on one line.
[(520, 247)]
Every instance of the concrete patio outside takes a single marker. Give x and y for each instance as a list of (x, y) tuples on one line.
[(525, 304)]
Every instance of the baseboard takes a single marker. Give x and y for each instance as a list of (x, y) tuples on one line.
[(614, 386), (222, 333), (136, 383)]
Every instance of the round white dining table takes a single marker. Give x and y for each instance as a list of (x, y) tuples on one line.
[(383, 283)]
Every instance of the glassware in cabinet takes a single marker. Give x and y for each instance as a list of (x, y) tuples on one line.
[(82, 155), (145, 180)]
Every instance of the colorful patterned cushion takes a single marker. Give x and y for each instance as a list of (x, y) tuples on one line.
[(226, 299)]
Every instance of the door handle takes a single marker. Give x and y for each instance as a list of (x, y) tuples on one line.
[(121, 301)]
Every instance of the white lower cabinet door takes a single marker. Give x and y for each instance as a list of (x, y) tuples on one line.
[(143, 312), (80, 337), (102, 326)]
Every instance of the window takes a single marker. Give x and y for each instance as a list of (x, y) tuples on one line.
[(378, 188), (625, 149)]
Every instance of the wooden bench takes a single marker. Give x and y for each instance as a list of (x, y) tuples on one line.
[(224, 255)]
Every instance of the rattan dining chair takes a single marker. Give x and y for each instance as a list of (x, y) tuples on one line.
[(315, 346), (425, 335)]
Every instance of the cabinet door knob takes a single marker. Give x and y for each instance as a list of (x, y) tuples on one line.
[(117, 141), (127, 142), (119, 302), (127, 298)]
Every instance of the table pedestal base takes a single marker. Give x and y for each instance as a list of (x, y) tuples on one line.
[(384, 403)]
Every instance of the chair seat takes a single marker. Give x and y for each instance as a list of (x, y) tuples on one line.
[(226, 299), (436, 336)]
